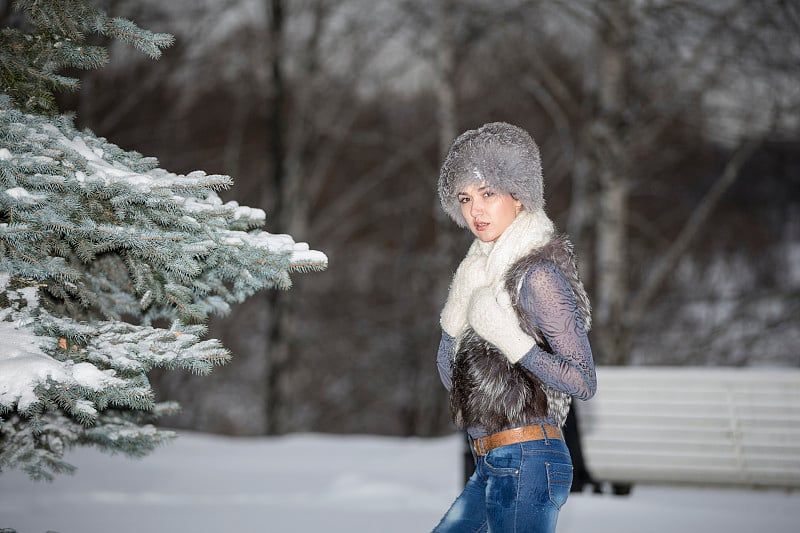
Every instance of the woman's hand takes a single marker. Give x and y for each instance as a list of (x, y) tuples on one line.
[(492, 317)]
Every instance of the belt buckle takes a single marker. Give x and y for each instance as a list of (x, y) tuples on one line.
[(480, 449)]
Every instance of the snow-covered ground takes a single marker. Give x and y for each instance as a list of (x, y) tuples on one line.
[(309, 483)]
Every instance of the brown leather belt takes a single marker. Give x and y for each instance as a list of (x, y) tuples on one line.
[(513, 436)]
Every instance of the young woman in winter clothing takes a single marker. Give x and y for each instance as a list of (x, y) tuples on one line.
[(514, 348)]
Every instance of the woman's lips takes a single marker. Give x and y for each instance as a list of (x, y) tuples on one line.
[(480, 226)]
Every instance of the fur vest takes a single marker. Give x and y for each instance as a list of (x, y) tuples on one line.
[(488, 390)]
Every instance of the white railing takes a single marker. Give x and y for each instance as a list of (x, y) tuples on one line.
[(732, 426)]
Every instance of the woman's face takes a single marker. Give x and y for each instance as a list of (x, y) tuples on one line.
[(487, 212)]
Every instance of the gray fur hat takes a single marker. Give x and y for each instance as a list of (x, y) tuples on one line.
[(503, 155)]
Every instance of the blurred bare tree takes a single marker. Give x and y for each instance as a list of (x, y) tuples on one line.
[(648, 71), (669, 133)]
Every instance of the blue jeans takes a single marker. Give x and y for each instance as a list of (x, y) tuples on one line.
[(515, 488)]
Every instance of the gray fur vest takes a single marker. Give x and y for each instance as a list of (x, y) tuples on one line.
[(488, 390)]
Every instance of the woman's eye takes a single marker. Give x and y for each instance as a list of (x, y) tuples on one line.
[(463, 199), (487, 194)]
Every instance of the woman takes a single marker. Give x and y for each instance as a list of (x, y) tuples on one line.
[(514, 349)]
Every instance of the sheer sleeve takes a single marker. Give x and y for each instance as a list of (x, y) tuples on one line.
[(444, 358), (549, 304)]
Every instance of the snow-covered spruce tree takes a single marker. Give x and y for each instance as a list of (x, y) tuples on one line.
[(109, 265)]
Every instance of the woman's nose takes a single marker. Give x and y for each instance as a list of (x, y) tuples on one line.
[(475, 208)]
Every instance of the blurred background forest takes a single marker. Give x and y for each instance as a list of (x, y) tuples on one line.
[(670, 137)]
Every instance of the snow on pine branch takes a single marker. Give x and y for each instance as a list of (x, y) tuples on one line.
[(71, 196), (97, 244), (301, 257), (84, 368)]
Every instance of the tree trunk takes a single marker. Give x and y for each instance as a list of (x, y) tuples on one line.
[(445, 80), (612, 230), (277, 349), (431, 396), (581, 215)]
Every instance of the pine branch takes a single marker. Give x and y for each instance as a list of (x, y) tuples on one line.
[(30, 61), (97, 244)]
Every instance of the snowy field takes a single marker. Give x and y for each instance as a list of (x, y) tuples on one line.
[(310, 483)]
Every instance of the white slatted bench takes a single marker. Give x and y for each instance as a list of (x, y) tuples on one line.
[(692, 425)]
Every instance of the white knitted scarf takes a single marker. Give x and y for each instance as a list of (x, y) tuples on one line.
[(528, 231), (490, 261)]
